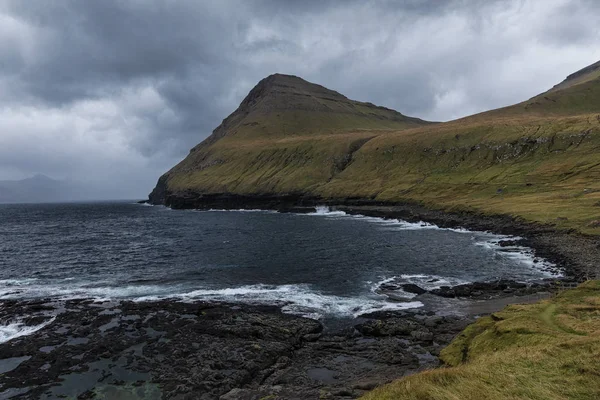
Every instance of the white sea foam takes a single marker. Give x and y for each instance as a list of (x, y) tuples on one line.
[(427, 282), (17, 329), (17, 282), (430, 282), (324, 210), (70, 291), (519, 254), (295, 299), (394, 224), (251, 210)]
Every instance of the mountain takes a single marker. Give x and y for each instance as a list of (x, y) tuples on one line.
[(284, 105), (42, 189), (284, 122), (537, 160)]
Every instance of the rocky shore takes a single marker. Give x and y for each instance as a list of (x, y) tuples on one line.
[(174, 350)]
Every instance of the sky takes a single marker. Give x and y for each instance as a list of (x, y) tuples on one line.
[(114, 93)]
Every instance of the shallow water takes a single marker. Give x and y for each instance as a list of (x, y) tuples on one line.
[(320, 264)]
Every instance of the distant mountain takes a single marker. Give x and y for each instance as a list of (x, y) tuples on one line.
[(42, 189)]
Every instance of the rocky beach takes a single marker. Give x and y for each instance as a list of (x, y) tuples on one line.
[(174, 350)]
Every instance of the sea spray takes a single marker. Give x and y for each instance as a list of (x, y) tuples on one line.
[(18, 328)]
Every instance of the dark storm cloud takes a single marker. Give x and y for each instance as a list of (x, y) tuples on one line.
[(118, 91)]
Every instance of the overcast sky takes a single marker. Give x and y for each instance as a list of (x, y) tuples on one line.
[(116, 92)]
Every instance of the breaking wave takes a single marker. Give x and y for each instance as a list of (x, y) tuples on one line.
[(17, 329), (393, 224), (520, 254), (295, 299)]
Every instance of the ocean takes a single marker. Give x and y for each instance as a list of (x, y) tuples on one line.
[(320, 264)]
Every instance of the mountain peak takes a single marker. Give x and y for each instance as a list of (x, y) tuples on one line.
[(283, 105), (286, 87)]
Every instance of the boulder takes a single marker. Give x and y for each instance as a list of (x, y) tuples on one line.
[(412, 288), (422, 335)]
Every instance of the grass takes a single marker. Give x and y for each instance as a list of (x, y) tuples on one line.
[(544, 351)]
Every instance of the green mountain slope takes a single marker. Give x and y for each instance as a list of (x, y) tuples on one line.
[(538, 159)]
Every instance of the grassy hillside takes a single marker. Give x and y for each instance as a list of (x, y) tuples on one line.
[(544, 351), (538, 159)]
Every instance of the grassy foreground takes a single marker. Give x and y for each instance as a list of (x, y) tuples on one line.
[(543, 351)]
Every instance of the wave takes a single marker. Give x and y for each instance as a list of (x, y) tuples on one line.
[(70, 291), (430, 282), (396, 224), (17, 282), (324, 210), (250, 210), (294, 299), (427, 282), (521, 254), (17, 329)]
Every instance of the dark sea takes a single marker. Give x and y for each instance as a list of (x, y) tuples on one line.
[(322, 264)]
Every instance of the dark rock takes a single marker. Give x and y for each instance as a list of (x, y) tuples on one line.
[(388, 327), (223, 352), (488, 290), (312, 337), (444, 291), (367, 384), (433, 321), (508, 243), (388, 286), (422, 335), (411, 288)]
